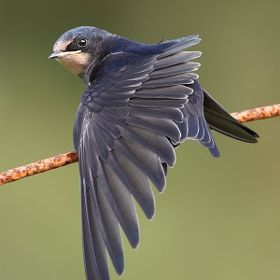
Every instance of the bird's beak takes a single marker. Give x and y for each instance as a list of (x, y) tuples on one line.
[(58, 54), (53, 55)]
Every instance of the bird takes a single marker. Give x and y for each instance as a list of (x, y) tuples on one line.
[(140, 102)]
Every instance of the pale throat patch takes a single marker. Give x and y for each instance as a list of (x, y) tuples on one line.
[(76, 62)]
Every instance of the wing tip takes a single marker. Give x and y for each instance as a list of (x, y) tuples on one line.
[(214, 151), (119, 268), (134, 239), (149, 212)]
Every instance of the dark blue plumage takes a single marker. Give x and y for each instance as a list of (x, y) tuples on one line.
[(140, 102)]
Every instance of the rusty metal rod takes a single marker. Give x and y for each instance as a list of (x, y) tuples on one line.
[(44, 165)]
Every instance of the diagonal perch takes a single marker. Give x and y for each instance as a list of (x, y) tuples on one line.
[(44, 165), (37, 167), (259, 113)]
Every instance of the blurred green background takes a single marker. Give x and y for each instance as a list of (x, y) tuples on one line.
[(218, 218)]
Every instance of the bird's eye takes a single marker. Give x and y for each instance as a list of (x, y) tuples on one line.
[(82, 42)]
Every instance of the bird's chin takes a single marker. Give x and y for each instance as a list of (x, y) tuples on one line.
[(75, 62)]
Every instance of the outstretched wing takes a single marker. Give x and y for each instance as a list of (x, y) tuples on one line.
[(134, 112)]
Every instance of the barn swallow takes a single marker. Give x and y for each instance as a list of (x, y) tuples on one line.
[(140, 102)]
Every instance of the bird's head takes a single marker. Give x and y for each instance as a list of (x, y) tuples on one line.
[(79, 48)]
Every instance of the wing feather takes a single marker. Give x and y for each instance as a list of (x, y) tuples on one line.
[(176, 59), (175, 70), (111, 229), (145, 200), (163, 127), (172, 92), (145, 160), (170, 113), (186, 78), (154, 142), (121, 203)]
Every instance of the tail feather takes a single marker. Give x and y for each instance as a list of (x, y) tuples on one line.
[(220, 120)]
